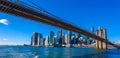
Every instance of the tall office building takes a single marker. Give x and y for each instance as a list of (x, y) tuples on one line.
[(41, 42), (35, 40), (55, 40), (66, 39), (59, 37), (63, 38), (44, 41), (69, 37), (47, 41), (40, 39), (92, 30), (77, 38), (51, 39), (72, 39), (92, 39)]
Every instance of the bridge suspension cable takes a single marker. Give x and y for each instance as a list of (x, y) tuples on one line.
[(41, 9)]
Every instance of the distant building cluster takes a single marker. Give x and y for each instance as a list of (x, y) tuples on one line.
[(61, 39)]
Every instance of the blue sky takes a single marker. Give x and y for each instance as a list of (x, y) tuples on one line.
[(83, 13)]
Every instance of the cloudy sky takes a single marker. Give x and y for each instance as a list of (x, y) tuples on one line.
[(84, 13)]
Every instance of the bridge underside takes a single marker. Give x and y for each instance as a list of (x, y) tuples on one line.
[(26, 12)]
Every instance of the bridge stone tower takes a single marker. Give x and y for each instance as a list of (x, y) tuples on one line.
[(101, 33)]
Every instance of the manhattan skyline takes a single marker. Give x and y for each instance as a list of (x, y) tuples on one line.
[(85, 14)]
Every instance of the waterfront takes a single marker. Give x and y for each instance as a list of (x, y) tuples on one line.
[(41, 52)]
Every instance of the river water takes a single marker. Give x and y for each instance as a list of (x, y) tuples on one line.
[(42, 52)]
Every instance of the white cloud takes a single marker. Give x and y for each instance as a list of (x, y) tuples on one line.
[(5, 39), (4, 21)]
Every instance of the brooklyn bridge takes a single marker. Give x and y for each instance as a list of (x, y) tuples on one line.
[(29, 12)]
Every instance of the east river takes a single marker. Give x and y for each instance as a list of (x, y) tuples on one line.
[(59, 52)]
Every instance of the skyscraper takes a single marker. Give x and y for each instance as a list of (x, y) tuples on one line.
[(47, 41), (77, 38), (72, 39), (40, 37), (63, 38), (55, 40), (92, 29), (41, 42), (60, 37), (51, 39), (66, 39), (69, 37), (35, 40)]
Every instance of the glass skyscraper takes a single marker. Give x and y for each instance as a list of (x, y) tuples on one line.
[(47, 41), (35, 40), (51, 39), (69, 37), (59, 37)]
